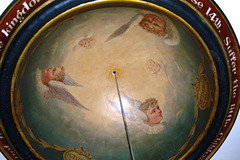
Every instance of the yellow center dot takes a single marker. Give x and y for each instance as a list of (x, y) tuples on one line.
[(115, 71)]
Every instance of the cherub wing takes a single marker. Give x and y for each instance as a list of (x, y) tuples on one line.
[(123, 28), (131, 112), (115, 107), (135, 103), (58, 90), (164, 71), (69, 81), (172, 37)]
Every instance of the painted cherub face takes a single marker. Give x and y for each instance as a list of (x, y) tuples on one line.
[(153, 66), (154, 24), (52, 73), (151, 108), (154, 115), (87, 42)]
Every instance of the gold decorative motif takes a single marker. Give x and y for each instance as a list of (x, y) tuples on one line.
[(203, 98), (69, 154), (77, 154), (202, 89)]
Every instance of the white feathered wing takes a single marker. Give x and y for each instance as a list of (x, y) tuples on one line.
[(57, 90), (131, 109), (172, 38)]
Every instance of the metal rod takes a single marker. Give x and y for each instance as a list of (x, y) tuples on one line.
[(124, 119)]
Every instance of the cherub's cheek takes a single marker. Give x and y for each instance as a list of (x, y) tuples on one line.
[(155, 117), (48, 75)]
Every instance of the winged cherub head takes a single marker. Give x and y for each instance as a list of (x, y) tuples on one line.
[(53, 73), (154, 24), (151, 108)]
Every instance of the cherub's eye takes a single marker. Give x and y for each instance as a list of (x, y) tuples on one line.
[(148, 20)]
